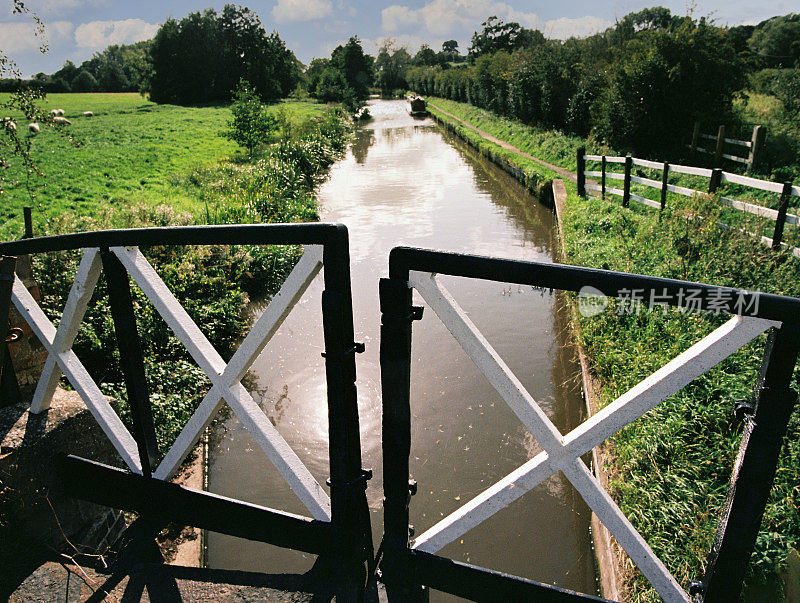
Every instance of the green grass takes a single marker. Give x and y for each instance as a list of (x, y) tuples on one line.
[(132, 152), (552, 146)]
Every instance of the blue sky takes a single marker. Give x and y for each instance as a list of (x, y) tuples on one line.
[(78, 28)]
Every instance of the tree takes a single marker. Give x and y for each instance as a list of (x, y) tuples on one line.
[(776, 41), (450, 46), (331, 86), (84, 82), (426, 56), (355, 66), (391, 66), (201, 58), (250, 125)]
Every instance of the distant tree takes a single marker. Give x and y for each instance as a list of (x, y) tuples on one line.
[(497, 35), (331, 86), (84, 82), (426, 56), (355, 66), (450, 46), (251, 125), (313, 74), (391, 66), (776, 41), (201, 58)]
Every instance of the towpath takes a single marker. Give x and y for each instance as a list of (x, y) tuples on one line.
[(559, 170)]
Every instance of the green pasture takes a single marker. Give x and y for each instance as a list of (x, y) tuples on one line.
[(131, 151)]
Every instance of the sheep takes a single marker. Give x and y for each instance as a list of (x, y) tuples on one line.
[(60, 112), (62, 121), (8, 124), (88, 114), (54, 112), (33, 128)]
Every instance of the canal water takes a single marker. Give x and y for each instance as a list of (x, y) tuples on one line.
[(405, 181)]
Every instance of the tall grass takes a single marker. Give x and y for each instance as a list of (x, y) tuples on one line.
[(672, 467)]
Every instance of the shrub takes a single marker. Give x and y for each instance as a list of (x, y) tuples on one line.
[(251, 125)]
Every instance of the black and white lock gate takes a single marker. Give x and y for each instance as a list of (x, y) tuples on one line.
[(339, 527), (407, 565)]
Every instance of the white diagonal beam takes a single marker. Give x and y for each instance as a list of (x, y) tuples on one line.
[(79, 377), (668, 380), (77, 301), (488, 361), (252, 417), (614, 519), (486, 504), (645, 396), (261, 333)]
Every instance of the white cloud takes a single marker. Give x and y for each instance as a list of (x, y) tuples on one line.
[(18, 37), (565, 28), (286, 11), (395, 17), (448, 17), (99, 34)]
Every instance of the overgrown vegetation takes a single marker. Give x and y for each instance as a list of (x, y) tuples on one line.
[(673, 466), (213, 283)]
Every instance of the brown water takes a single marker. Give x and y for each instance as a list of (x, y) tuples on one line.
[(405, 181)]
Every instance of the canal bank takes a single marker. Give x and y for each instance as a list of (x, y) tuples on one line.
[(404, 181)]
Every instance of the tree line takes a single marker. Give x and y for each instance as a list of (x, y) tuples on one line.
[(638, 85)]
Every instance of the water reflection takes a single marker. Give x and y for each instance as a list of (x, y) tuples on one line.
[(406, 182)]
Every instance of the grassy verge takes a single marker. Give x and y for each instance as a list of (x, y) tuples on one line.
[(673, 466), (560, 149), (213, 283), (131, 152)]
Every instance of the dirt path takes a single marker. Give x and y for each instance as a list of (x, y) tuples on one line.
[(561, 171)]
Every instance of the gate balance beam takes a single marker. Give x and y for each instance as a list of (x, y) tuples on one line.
[(101, 484)]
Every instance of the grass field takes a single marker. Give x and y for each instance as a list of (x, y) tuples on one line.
[(131, 151)]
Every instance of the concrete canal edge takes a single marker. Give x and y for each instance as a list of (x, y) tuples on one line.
[(608, 563)]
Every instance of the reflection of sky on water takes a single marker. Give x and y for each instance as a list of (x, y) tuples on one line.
[(404, 182)]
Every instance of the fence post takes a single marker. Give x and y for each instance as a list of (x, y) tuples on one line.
[(720, 145), (716, 179), (664, 177), (9, 388), (755, 147), (350, 520), (780, 221), (582, 171), (28, 222), (397, 314), (626, 190), (695, 136), (603, 178), (754, 469), (131, 360)]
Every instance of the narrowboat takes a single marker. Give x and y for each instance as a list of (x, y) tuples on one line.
[(417, 106)]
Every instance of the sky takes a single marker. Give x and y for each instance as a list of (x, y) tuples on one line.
[(76, 29)]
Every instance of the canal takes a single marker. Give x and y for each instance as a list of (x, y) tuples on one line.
[(404, 181)]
